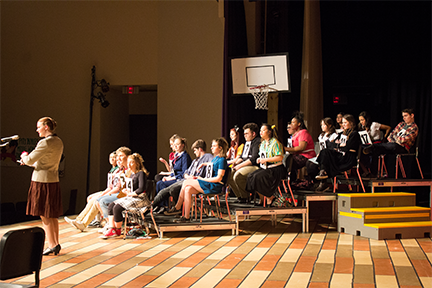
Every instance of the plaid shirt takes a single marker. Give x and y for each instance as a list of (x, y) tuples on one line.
[(405, 138)]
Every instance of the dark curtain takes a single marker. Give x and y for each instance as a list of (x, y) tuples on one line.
[(235, 45)]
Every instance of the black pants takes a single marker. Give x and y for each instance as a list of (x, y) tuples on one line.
[(384, 148), (164, 194)]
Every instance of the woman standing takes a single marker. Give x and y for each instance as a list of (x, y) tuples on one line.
[(212, 184), (266, 180), (44, 197)]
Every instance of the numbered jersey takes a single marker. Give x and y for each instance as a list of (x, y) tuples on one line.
[(365, 137)]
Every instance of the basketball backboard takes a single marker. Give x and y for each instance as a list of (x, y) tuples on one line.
[(248, 72)]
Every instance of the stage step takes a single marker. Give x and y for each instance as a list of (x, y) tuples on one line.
[(396, 230), (383, 216), (347, 201), (390, 214)]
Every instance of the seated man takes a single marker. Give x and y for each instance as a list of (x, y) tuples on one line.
[(400, 140), (246, 164), (199, 148)]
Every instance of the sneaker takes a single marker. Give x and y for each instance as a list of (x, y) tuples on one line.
[(322, 175), (160, 211), (76, 224), (104, 229), (80, 225), (95, 224), (183, 220), (112, 232), (322, 188), (241, 201), (172, 211)]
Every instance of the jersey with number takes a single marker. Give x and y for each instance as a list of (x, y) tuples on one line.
[(323, 138)]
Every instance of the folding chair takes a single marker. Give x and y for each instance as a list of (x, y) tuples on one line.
[(357, 168), (21, 254), (413, 153)]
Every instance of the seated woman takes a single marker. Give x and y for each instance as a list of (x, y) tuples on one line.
[(303, 147), (374, 129), (344, 157), (266, 179), (338, 124), (180, 163), (114, 182), (210, 185), (133, 199), (236, 149), (326, 140), (168, 164)]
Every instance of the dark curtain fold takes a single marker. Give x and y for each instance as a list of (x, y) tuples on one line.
[(235, 45)]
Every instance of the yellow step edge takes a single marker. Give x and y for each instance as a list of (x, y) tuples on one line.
[(390, 209), (400, 224), (352, 215), (396, 216), (395, 194), (384, 216)]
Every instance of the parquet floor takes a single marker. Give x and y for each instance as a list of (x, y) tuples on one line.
[(261, 256)]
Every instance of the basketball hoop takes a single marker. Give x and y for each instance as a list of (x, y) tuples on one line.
[(260, 94)]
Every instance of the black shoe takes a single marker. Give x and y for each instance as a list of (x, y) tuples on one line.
[(183, 220), (172, 211), (322, 188), (368, 149), (241, 200), (322, 175), (95, 224), (55, 250)]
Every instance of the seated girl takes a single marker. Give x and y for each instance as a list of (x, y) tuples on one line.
[(266, 179), (374, 130), (180, 163), (326, 140), (209, 185), (168, 164), (333, 161), (303, 147), (134, 197), (236, 149)]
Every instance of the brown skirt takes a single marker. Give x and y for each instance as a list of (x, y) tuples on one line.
[(44, 199)]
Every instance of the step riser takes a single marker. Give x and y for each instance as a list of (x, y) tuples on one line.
[(354, 226), (346, 203)]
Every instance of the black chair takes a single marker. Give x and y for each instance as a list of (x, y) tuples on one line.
[(21, 254), (355, 167)]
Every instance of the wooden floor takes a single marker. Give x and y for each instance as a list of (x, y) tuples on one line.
[(261, 256)]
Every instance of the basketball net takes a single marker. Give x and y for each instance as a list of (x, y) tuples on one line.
[(260, 94)]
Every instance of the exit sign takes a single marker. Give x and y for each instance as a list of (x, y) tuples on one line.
[(131, 90)]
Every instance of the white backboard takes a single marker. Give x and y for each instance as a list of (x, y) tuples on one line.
[(249, 72)]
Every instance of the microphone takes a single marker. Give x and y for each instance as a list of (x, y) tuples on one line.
[(8, 139)]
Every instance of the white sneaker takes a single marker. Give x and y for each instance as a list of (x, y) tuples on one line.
[(76, 224), (79, 225), (105, 228)]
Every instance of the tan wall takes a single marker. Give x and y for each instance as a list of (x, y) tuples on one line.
[(190, 66), (48, 49)]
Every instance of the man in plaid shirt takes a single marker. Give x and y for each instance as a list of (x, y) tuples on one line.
[(400, 140)]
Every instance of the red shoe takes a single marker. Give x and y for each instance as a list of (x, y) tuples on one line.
[(113, 232)]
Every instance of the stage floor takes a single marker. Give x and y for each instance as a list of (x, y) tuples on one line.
[(261, 256)]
